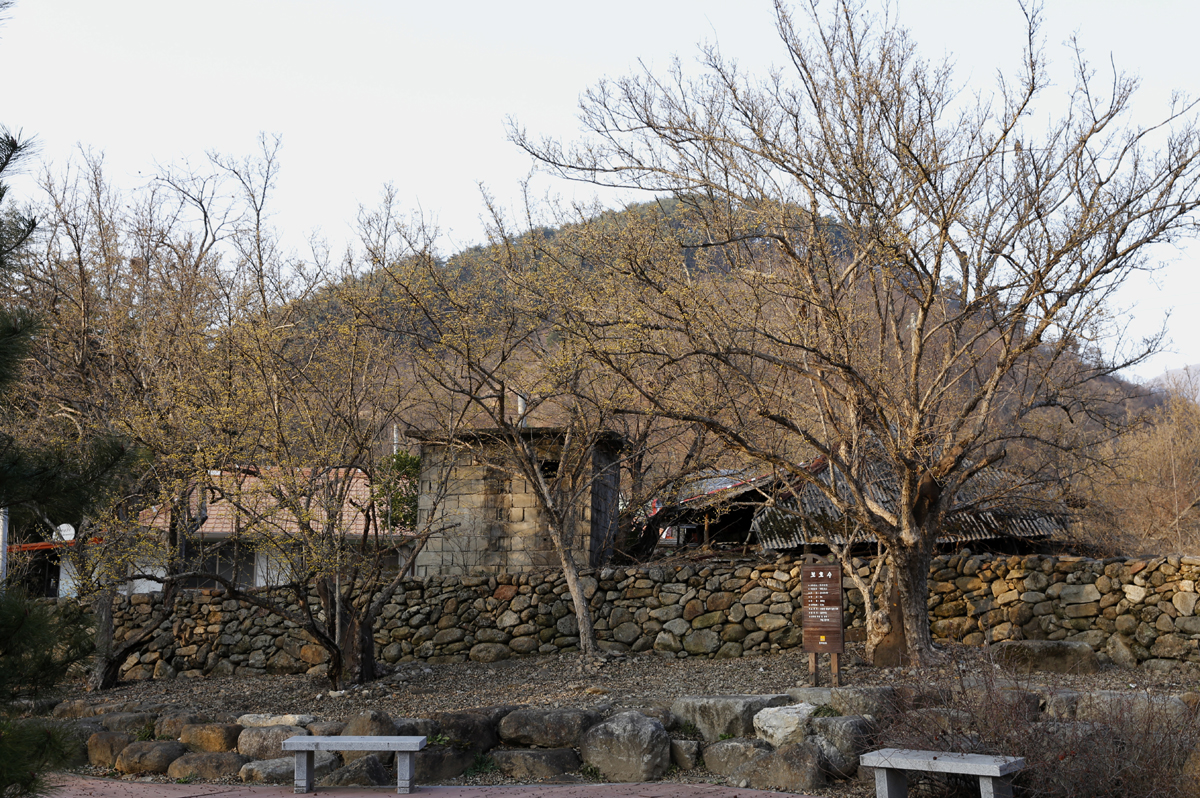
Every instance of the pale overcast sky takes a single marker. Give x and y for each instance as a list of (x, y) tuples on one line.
[(416, 93)]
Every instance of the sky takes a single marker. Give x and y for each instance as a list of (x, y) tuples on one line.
[(365, 93)]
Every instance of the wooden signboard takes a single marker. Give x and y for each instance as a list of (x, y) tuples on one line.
[(821, 590)]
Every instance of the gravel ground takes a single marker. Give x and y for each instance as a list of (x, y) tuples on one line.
[(418, 690)]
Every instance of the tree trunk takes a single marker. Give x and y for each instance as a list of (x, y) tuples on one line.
[(583, 612), (107, 666), (104, 671), (358, 651), (912, 580)]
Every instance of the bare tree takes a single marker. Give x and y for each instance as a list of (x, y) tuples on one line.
[(878, 268), (505, 391)]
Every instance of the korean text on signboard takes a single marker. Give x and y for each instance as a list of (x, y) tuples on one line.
[(822, 594)]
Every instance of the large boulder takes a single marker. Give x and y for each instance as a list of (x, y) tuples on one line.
[(849, 736), (169, 725), (129, 722), (207, 765), (367, 771), (726, 757), (685, 754), (628, 747), (103, 747), (326, 728), (1054, 656), (283, 770), (415, 727), (547, 728), (266, 742), (793, 768), (470, 729), (812, 695), (780, 726), (878, 702), (151, 756), (260, 720), (213, 737), (436, 763), (524, 764), (730, 715), (1145, 712), (369, 724)]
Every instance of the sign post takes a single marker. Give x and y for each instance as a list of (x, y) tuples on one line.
[(821, 591)]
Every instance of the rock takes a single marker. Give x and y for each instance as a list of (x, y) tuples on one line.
[(436, 763), (525, 764), (416, 727), (260, 721), (474, 729), (732, 715), (170, 725), (849, 735), (326, 728), (628, 747), (685, 754), (812, 695), (266, 742), (1074, 594), (207, 765), (793, 767), (1062, 703), (878, 702), (727, 756), (547, 728), (667, 641), (770, 622), (780, 726), (489, 652), (1053, 656), (701, 641), (151, 756), (103, 747), (1120, 651), (1172, 646), (130, 722), (283, 770), (371, 723), (211, 737), (366, 771), (1142, 711), (1185, 603), (830, 760), (946, 719)]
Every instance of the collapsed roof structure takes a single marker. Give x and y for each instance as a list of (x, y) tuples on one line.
[(781, 514)]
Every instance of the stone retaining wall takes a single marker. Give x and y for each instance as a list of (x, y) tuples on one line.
[(1132, 611)]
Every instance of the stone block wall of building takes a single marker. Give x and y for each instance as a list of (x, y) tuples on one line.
[(1135, 612), (495, 519)]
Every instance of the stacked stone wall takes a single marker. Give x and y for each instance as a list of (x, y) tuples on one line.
[(1133, 611)]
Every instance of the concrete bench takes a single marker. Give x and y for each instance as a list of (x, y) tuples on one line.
[(404, 748), (995, 772)]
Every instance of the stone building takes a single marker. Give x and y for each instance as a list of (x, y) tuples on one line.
[(471, 483)]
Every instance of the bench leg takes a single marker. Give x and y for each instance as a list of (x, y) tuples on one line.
[(890, 783), (304, 772), (995, 786), (404, 772)]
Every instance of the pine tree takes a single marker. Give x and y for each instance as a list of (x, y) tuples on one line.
[(38, 644)]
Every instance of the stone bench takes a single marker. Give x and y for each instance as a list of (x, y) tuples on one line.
[(995, 772), (404, 748)]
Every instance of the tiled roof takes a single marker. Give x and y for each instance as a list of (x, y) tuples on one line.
[(803, 514)]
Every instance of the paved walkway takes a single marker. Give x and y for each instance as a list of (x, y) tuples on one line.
[(72, 786)]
